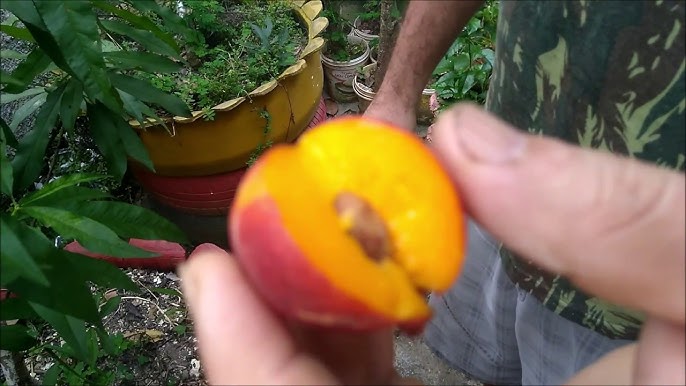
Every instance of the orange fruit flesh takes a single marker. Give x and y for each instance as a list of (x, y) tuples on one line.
[(401, 180)]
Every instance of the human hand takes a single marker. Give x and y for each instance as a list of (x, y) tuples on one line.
[(614, 226), (393, 112), (241, 341)]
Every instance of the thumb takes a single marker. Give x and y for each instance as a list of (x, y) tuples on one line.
[(614, 226), (239, 339)]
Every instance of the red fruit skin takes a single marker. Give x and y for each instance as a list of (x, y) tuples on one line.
[(288, 281)]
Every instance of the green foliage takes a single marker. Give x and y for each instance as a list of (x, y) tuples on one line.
[(53, 282), (241, 46), (336, 35), (69, 50), (267, 143), (75, 73), (372, 11), (71, 369), (465, 70)]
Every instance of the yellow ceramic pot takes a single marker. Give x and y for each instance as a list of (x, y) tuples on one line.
[(197, 147)]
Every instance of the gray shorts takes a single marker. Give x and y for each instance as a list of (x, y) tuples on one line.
[(490, 329)]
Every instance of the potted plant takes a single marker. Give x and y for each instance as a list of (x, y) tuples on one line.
[(367, 24), (343, 56), (254, 79)]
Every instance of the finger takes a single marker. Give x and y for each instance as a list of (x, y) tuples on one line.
[(661, 354), (239, 339), (614, 226)]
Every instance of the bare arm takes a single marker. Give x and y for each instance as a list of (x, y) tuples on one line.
[(428, 30)]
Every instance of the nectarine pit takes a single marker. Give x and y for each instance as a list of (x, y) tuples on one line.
[(364, 224)]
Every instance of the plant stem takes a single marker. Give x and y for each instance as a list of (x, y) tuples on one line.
[(388, 33)]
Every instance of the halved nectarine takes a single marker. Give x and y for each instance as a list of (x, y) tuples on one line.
[(349, 227)]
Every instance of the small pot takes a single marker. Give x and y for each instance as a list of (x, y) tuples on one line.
[(424, 114), (339, 74), (364, 94), (359, 33)]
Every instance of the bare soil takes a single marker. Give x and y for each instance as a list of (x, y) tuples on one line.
[(157, 333), (371, 27)]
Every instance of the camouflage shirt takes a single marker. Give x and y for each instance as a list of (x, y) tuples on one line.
[(607, 75)]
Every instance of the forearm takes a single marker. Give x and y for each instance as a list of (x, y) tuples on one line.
[(428, 30)]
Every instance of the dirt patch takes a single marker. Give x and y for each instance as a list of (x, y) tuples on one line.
[(371, 27), (155, 333)]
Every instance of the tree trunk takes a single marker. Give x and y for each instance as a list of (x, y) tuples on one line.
[(388, 33)]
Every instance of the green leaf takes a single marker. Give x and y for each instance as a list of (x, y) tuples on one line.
[(106, 341), (52, 375), (461, 62), (26, 109), (172, 21), (16, 338), (445, 65), (92, 347), (28, 14), (8, 79), (71, 329), (98, 271), (114, 133), (28, 162), (74, 27), (57, 185), (17, 32), (133, 144), (7, 98), (139, 22), (138, 109), (110, 306), (12, 54), (130, 220), (93, 235), (35, 63), (16, 308), (70, 194), (6, 179), (489, 54), (63, 292), (146, 92), (8, 135), (180, 329), (17, 258), (468, 83), (107, 138), (25, 11), (145, 61), (145, 38), (71, 104), (6, 176)]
